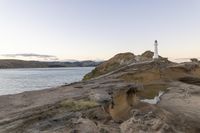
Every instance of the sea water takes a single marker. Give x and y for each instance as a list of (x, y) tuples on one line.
[(14, 81)]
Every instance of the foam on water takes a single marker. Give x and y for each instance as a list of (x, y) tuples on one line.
[(155, 100)]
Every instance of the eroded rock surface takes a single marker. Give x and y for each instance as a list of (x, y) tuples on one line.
[(111, 103)]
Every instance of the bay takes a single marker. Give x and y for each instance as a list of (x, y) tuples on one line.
[(14, 81)]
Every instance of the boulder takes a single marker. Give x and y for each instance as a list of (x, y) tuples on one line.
[(84, 126), (194, 60)]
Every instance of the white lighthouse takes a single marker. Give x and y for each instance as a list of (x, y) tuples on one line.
[(156, 56)]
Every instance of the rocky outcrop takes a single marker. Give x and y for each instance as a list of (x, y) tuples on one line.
[(112, 64), (147, 55), (150, 121), (121, 60), (113, 102), (194, 60), (84, 126)]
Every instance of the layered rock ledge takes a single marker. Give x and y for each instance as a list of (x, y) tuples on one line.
[(112, 102)]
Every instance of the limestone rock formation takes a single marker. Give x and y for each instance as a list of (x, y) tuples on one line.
[(84, 126), (150, 121), (194, 60), (113, 102), (117, 61), (147, 55)]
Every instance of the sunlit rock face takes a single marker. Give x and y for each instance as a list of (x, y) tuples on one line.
[(112, 64), (122, 60), (123, 102)]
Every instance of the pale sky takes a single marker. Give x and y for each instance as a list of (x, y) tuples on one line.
[(98, 29)]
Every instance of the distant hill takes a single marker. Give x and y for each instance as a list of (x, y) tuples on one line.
[(38, 64)]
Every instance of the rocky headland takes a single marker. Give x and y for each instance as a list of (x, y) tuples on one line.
[(126, 94)]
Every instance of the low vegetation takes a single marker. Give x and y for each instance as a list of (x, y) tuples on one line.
[(78, 105)]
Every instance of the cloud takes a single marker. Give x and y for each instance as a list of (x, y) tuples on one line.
[(31, 55)]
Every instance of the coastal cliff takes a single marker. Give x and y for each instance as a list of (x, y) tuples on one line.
[(126, 94)]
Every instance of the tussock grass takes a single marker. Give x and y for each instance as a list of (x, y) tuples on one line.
[(78, 105)]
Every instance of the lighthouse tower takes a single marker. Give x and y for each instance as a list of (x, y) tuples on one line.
[(156, 56)]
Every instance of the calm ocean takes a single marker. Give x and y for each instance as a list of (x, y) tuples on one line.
[(14, 81)]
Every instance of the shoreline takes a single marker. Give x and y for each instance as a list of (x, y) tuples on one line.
[(24, 105), (108, 103), (46, 67)]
